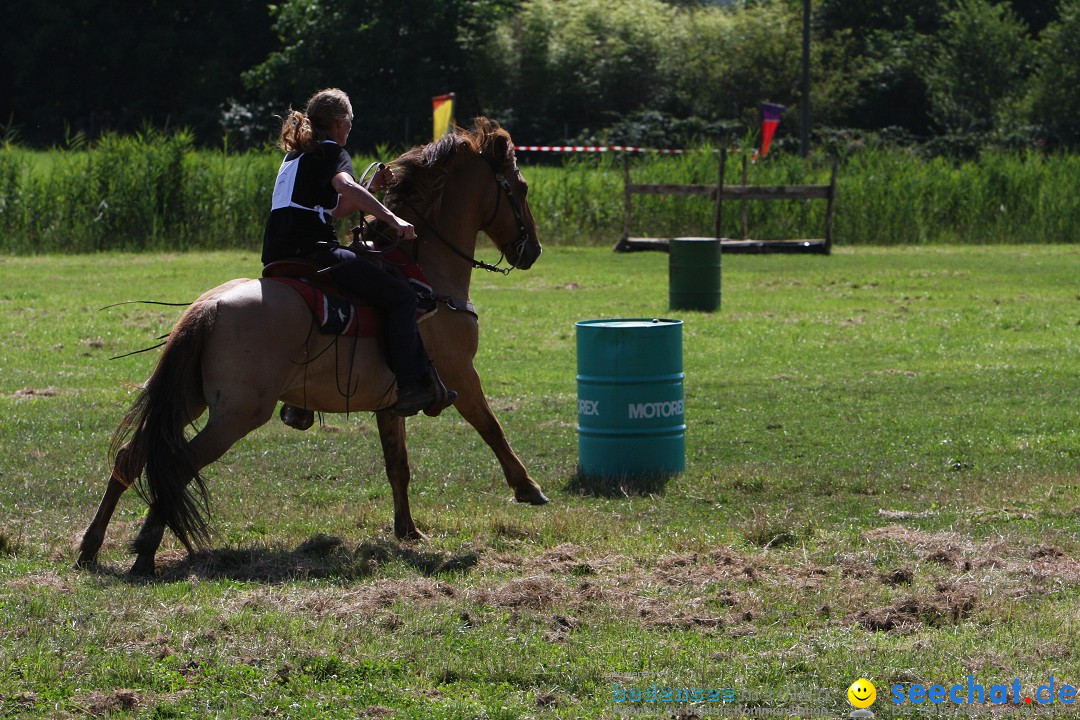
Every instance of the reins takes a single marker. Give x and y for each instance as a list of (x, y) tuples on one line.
[(476, 264), (359, 231)]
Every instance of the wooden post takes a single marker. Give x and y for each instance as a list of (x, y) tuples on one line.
[(720, 195), (829, 208), (804, 101), (745, 217), (626, 194)]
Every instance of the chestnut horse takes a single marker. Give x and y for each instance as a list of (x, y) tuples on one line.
[(244, 345)]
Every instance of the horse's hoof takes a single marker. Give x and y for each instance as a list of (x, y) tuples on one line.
[(87, 561), (410, 534), (533, 496), (142, 569)]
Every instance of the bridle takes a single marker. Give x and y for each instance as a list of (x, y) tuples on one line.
[(523, 232)]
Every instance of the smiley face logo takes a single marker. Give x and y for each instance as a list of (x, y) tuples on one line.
[(862, 693)]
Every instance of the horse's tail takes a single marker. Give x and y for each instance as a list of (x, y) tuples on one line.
[(158, 459)]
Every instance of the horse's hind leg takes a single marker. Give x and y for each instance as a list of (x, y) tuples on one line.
[(396, 457), (147, 542), (208, 445), (95, 533)]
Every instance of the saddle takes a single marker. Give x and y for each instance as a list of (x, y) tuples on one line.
[(336, 311)]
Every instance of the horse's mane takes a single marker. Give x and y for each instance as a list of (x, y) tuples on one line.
[(420, 174)]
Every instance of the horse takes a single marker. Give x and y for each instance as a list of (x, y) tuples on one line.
[(244, 345)]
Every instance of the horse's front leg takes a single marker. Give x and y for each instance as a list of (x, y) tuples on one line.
[(474, 407), (396, 457)]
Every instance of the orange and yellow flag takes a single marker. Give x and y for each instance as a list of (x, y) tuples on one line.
[(442, 107)]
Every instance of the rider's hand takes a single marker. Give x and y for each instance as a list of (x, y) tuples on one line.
[(405, 230), (383, 178)]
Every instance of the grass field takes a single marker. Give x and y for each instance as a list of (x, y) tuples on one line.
[(883, 465)]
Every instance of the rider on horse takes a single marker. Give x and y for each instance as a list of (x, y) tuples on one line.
[(316, 184)]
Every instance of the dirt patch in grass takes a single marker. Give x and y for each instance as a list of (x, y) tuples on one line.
[(370, 599), (321, 556), (915, 538), (99, 704), (905, 514), (948, 605), (35, 392), (707, 591), (1050, 568), (535, 592), (724, 565), (574, 560), (44, 581), (726, 590), (698, 590), (564, 585), (8, 546), (899, 576), (1019, 561)]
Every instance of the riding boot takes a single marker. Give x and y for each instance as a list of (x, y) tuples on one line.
[(296, 417), (427, 394), (444, 396)]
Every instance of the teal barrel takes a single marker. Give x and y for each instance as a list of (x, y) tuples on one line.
[(694, 273), (631, 420)]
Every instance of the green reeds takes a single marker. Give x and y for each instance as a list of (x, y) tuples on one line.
[(156, 191), (890, 196), (151, 191)]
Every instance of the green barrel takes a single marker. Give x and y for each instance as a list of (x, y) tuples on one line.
[(631, 421), (694, 273)]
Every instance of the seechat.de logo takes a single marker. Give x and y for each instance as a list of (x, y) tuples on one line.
[(973, 692)]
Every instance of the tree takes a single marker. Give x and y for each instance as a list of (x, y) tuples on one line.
[(558, 66), (93, 65), (1036, 14), (977, 67), (391, 57), (868, 17), (724, 62), (1055, 101), (874, 50)]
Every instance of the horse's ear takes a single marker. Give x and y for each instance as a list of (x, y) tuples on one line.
[(501, 145), (492, 140)]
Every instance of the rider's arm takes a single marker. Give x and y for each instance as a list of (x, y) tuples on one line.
[(354, 197)]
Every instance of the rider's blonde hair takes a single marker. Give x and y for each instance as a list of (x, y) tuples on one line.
[(303, 131)]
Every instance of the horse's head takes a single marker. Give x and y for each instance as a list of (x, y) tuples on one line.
[(483, 160), (511, 225)]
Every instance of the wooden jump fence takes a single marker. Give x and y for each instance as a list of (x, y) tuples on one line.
[(743, 193)]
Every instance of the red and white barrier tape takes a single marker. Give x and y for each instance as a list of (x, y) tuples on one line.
[(593, 148)]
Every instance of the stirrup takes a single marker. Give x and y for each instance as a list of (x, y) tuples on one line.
[(444, 397), (442, 401), (413, 399), (296, 417)]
